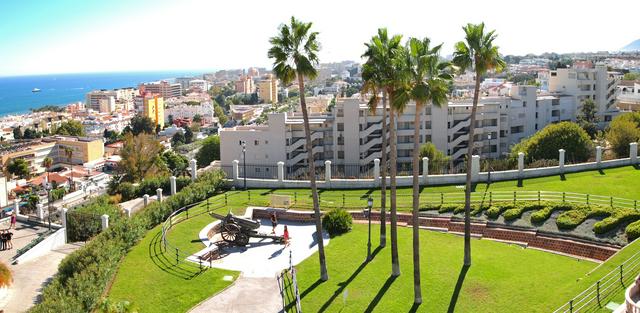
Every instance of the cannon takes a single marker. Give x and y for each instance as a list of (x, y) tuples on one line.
[(238, 230)]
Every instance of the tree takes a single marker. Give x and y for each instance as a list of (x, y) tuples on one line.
[(210, 151), (68, 152), (381, 54), (544, 145), (31, 133), (17, 133), (19, 168), (197, 118), (142, 124), (219, 113), (111, 136), (430, 151), (70, 128), (587, 118), (631, 76), (170, 119), (477, 53), (623, 130), (188, 135), (177, 163), (177, 139), (141, 158), (423, 80), (295, 54)]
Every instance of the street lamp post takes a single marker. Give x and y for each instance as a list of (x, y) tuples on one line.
[(489, 169), (367, 212), (244, 163), (48, 187)]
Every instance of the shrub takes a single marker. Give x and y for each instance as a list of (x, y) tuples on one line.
[(618, 217), (546, 143), (6, 278), (633, 231), (544, 213), (579, 213), (337, 221), (495, 210), (623, 130), (516, 212), (448, 208)]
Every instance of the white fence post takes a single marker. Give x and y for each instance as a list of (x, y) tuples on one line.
[(280, 171), (63, 220), (145, 200), (598, 155), (475, 167), (159, 194), (172, 180), (633, 152), (16, 207), (327, 172), (376, 170), (40, 211), (105, 221), (127, 212), (194, 169), (425, 170), (520, 164), (561, 160), (236, 172)]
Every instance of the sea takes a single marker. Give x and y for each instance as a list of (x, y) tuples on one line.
[(16, 94)]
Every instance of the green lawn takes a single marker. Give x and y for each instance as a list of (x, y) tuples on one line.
[(502, 277)]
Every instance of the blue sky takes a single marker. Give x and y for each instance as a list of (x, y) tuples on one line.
[(65, 36)]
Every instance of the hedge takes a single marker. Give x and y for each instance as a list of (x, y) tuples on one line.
[(149, 186), (337, 221), (83, 275), (579, 213), (618, 217), (633, 230), (543, 214)]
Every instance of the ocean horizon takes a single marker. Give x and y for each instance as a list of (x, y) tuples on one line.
[(16, 96)]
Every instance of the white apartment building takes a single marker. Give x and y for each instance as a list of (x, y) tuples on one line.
[(107, 101), (584, 83), (200, 83), (163, 88), (205, 110), (350, 134)]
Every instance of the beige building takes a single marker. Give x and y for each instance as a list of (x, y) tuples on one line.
[(163, 88), (107, 101), (268, 89), (245, 85)]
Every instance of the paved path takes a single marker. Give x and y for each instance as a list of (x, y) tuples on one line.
[(31, 276), (22, 235), (246, 295)]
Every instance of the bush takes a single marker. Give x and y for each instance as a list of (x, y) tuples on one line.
[(543, 214), (624, 129), (495, 210), (633, 231), (83, 275), (86, 222), (149, 186), (579, 213), (546, 143), (618, 217), (516, 212), (209, 152), (337, 221), (5, 275), (449, 208)]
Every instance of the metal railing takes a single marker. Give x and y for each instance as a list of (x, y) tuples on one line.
[(594, 296), (190, 211)]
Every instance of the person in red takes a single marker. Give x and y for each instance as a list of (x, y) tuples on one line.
[(286, 236), (13, 220)]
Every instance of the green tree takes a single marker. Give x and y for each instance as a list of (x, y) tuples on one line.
[(477, 53), (197, 118), (587, 118), (631, 76), (70, 128), (19, 168), (219, 113), (31, 133), (295, 54), (141, 158), (424, 79), (188, 135), (177, 139), (623, 130), (177, 163), (380, 74), (17, 133), (142, 124), (430, 151), (544, 145), (170, 119), (210, 151)]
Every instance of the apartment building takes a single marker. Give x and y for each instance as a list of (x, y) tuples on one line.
[(351, 134), (268, 89), (629, 96), (151, 106), (61, 149), (107, 101), (585, 81), (245, 85), (185, 111), (200, 84), (163, 88)]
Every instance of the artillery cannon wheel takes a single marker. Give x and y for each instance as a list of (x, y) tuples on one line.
[(230, 232), (242, 239)]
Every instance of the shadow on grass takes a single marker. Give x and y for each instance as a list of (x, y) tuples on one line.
[(563, 177), (367, 194), (343, 285), (169, 266), (601, 172), (520, 182), (456, 291), (268, 192), (636, 166), (380, 293)]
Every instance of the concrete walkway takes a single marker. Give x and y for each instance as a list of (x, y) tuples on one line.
[(246, 295), (30, 277)]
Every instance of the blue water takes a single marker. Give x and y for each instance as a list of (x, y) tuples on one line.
[(62, 89)]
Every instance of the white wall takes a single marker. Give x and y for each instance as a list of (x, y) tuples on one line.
[(52, 242)]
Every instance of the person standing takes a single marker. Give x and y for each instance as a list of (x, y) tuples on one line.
[(285, 236), (8, 236), (274, 222), (13, 220), (3, 241)]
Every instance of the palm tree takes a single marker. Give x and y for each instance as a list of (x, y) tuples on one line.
[(425, 81), (47, 163), (295, 54), (382, 52), (478, 53), (68, 152)]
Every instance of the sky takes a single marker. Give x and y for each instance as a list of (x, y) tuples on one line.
[(70, 36)]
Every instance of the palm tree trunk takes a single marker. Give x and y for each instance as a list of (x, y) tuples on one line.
[(395, 263), (467, 189), (383, 172), (324, 276), (416, 206)]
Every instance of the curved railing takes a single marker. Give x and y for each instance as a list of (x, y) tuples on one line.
[(631, 305), (190, 211)]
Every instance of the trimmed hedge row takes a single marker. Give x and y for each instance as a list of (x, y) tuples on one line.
[(83, 275), (149, 186), (633, 230)]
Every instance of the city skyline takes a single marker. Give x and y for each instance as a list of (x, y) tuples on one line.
[(77, 37)]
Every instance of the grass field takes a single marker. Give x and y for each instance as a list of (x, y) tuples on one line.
[(501, 278)]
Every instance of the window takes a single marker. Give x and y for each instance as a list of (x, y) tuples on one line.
[(257, 170), (256, 142), (517, 129), (607, 118), (427, 125), (266, 142), (555, 113), (524, 104), (340, 127), (554, 74), (341, 155), (536, 126), (536, 114)]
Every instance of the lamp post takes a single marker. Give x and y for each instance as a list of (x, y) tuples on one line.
[(48, 187), (367, 212), (244, 163), (489, 169)]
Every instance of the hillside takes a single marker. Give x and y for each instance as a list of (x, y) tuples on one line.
[(634, 46)]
